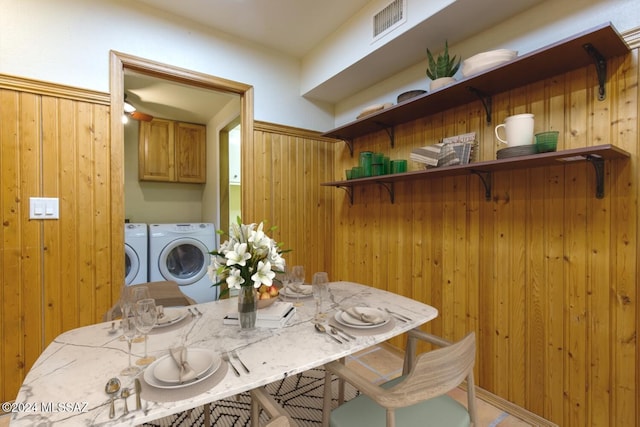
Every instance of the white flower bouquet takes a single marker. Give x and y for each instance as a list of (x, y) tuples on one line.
[(248, 258)]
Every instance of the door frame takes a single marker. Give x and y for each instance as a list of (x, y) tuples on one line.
[(118, 63)]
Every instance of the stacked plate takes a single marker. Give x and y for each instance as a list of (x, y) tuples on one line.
[(165, 373), (362, 317), (171, 316), (518, 150), (297, 291), (485, 60)]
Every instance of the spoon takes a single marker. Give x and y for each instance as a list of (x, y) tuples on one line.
[(321, 328), (125, 393), (112, 387)]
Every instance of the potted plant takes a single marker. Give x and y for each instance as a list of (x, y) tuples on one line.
[(442, 69)]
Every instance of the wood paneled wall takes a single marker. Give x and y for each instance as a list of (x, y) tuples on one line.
[(282, 169), (55, 274), (545, 273)]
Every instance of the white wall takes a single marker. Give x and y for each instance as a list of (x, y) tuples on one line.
[(537, 27), (68, 42)]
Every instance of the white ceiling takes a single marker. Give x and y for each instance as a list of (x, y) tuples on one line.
[(297, 26), (289, 26)]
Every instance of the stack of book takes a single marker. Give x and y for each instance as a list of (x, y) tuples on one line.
[(274, 316)]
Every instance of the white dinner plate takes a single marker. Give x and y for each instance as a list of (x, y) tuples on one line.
[(289, 293), (346, 320), (171, 316), (164, 373)]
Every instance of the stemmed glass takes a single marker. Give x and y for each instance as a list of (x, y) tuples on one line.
[(135, 294), (320, 294), (297, 279), (128, 325), (146, 317)]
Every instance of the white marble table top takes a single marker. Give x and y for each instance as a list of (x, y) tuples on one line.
[(66, 384)]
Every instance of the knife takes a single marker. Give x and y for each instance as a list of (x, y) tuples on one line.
[(138, 390)]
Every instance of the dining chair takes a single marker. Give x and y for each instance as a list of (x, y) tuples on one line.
[(418, 397), (166, 294), (261, 399)]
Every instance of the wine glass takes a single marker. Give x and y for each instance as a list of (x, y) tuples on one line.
[(146, 317), (128, 325), (319, 284), (133, 295), (297, 279)]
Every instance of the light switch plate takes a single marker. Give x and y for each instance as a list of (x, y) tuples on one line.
[(44, 208)]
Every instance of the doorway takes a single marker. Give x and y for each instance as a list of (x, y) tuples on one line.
[(119, 63)]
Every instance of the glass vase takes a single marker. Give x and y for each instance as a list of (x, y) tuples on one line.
[(247, 307)]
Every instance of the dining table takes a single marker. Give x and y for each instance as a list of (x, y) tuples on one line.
[(66, 384)]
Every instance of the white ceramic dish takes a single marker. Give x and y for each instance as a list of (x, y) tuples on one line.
[(346, 320), (485, 60), (169, 371), (289, 293), (171, 316)]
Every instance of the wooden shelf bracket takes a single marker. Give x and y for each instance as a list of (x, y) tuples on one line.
[(601, 68)]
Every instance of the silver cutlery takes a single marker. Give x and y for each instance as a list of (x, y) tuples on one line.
[(225, 357), (111, 388), (235, 355), (343, 332), (197, 311), (138, 387), (399, 316), (335, 332), (124, 394), (321, 328)]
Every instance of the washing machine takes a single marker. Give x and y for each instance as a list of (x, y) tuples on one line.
[(136, 253), (180, 253)]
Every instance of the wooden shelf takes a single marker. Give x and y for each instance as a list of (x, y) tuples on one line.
[(594, 46), (595, 155)]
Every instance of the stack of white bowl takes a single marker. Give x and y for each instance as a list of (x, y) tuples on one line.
[(485, 60)]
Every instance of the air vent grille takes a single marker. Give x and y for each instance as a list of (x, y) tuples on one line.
[(388, 18)]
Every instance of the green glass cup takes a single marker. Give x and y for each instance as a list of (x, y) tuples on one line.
[(398, 166), (348, 173), (366, 158), (357, 172)]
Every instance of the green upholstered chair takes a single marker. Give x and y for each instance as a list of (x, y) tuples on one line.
[(261, 399), (418, 398)]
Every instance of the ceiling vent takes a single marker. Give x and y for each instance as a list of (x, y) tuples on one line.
[(392, 16)]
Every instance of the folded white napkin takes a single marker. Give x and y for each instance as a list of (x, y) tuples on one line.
[(302, 290), (372, 318), (179, 355)]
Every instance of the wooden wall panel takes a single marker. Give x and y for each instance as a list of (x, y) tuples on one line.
[(55, 274), (286, 166), (544, 272)]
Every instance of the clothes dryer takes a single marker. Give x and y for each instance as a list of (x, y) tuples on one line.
[(136, 253), (180, 252)]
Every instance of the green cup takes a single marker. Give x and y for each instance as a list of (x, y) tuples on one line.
[(398, 166), (386, 165), (357, 172), (366, 158), (348, 172), (377, 169)]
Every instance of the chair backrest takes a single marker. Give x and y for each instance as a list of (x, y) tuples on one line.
[(166, 293), (435, 373)]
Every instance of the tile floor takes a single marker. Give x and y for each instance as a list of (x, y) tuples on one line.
[(382, 363)]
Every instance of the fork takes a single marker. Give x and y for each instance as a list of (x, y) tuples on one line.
[(235, 355), (225, 357)]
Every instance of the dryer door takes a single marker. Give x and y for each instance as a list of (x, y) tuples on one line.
[(184, 261), (131, 264)]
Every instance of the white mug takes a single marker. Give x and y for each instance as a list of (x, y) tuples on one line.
[(518, 130)]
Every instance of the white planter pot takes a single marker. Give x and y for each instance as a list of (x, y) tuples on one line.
[(441, 82)]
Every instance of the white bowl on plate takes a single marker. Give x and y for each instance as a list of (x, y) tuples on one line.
[(485, 60)]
